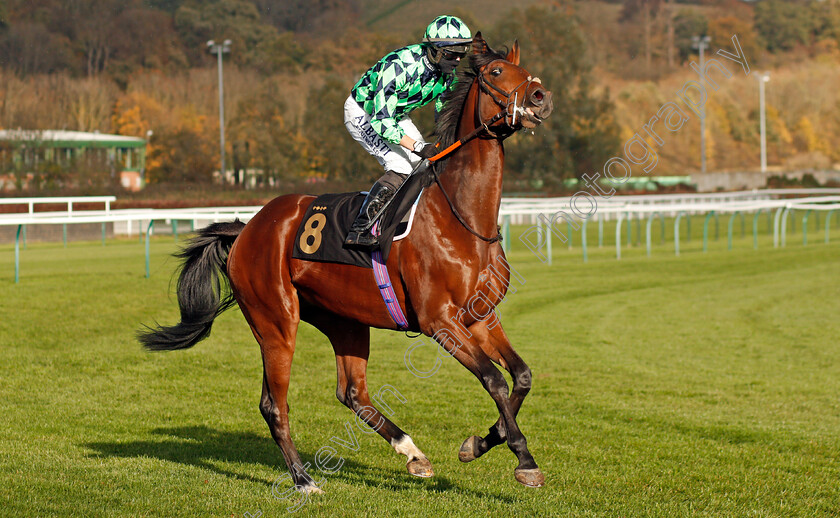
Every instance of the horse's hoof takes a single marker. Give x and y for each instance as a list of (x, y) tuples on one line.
[(530, 477), (469, 450), (312, 490), (420, 467)]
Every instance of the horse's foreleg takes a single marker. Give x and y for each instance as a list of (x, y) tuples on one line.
[(470, 354), (351, 342), (495, 344)]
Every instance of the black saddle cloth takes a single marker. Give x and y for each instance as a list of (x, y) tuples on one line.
[(327, 220)]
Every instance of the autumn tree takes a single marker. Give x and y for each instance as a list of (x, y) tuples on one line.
[(687, 24), (262, 137), (782, 25), (321, 17), (183, 160), (670, 32), (139, 115), (722, 29), (825, 20), (30, 48), (188, 152), (581, 133), (90, 25), (132, 48), (88, 36), (333, 152), (236, 20), (168, 6), (644, 12)]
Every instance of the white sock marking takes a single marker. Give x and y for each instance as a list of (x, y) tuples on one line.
[(405, 446)]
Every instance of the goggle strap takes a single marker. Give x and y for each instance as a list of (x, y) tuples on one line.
[(453, 41), (456, 49)]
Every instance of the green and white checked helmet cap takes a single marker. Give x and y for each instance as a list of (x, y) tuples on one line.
[(447, 30)]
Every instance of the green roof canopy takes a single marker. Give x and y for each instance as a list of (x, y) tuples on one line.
[(70, 139)]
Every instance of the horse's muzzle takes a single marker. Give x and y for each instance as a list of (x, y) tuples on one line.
[(538, 107)]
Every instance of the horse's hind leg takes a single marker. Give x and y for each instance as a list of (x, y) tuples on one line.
[(260, 277), (351, 343), (494, 342), (276, 330)]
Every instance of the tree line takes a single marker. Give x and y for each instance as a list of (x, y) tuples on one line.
[(134, 66)]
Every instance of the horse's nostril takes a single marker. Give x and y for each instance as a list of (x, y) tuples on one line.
[(537, 97)]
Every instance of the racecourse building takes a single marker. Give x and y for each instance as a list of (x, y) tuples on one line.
[(32, 158)]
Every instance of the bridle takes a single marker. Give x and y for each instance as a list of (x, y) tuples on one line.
[(508, 114), (510, 109)]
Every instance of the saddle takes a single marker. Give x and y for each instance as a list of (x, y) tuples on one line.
[(327, 220)]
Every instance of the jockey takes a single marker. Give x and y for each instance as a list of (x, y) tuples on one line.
[(376, 113)]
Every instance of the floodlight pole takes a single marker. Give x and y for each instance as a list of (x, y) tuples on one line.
[(763, 78), (700, 43), (219, 49)]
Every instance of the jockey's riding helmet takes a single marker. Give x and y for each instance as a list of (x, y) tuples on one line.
[(449, 34)]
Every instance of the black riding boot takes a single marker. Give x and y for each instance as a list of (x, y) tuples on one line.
[(360, 231)]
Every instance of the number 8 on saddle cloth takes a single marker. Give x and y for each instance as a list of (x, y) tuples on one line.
[(320, 236)]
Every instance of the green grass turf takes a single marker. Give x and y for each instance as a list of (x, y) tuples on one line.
[(699, 385)]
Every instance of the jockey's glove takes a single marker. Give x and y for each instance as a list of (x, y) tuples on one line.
[(427, 151)]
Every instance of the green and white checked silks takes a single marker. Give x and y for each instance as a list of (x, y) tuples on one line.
[(398, 83)]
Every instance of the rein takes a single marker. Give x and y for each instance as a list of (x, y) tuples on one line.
[(482, 127), (476, 132), (497, 237)]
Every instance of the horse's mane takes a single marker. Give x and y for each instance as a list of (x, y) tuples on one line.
[(450, 115)]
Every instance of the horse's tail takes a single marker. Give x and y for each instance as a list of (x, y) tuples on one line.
[(200, 289)]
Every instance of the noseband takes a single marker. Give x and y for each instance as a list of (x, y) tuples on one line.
[(510, 108)]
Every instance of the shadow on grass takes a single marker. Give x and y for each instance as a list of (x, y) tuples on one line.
[(721, 433), (205, 448)]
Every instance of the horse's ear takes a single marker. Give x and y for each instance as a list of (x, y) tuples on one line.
[(479, 46), (513, 55)]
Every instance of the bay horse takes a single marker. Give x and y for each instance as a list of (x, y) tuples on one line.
[(434, 271)]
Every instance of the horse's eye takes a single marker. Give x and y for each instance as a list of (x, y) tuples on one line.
[(496, 72)]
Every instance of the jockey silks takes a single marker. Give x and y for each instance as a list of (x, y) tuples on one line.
[(398, 83)]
